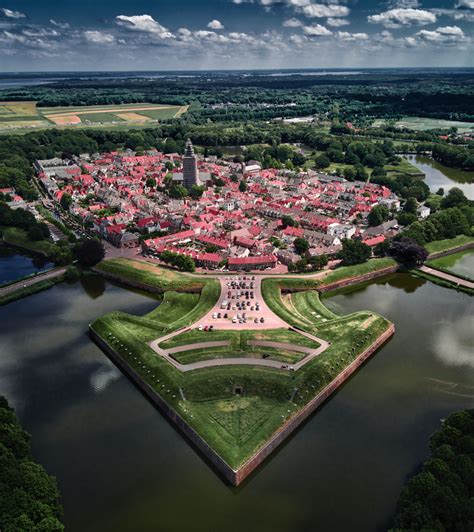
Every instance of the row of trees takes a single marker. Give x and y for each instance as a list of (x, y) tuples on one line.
[(440, 496), (182, 262), (29, 497)]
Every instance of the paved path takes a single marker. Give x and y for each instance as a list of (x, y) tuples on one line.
[(447, 277), (51, 274), (167, 354)]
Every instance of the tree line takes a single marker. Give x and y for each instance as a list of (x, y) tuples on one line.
[(29, 497)]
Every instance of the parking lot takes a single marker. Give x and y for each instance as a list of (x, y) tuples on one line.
[(241, 306)]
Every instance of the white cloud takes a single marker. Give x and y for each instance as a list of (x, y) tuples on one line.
[(145, 24), (324, 10), (215, 25), (316, 30), (444, 34), (98, 37), (61, 25), (397, 18), (456, 14), (337, 22), (346, 36), (292, 23), (12, 14), (466, 3)]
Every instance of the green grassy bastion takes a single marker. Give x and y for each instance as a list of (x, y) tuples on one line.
[(236, 415)]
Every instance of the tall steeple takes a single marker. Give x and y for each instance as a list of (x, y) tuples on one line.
[(190, 169)]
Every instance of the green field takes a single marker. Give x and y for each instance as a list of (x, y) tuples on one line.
[(18, 116), (234, 426), (425, 124), (18, 237)]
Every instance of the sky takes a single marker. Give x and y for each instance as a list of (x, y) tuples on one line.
[(91, 35)]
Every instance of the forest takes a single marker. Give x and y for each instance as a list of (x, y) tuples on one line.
[(439, 497), (358, 97), (29, 497)]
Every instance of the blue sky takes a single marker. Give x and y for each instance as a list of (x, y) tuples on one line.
[(234, 34)]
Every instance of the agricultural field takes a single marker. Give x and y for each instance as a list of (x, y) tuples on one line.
[(425, 124), (19, 115), (234, 424)]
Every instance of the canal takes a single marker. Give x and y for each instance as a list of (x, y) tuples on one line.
[(121, 466), (440, 176), (15, 264)]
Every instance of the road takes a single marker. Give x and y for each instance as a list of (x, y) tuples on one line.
[(447, 277), (51, 274)]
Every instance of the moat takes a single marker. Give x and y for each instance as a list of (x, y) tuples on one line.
[(85, 417)]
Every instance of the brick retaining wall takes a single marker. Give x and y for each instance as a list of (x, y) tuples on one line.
[(356, 280), (222, 467), (310, 407)]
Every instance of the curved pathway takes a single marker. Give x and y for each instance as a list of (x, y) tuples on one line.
[(214, 362)]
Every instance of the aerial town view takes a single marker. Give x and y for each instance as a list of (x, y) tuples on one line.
[(237, 265)]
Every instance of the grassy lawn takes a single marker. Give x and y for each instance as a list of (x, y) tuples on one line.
[(19, 237), (450, 243), (404, 167), (151, 275), (236, 426)]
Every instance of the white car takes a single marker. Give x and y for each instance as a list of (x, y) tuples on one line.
[(200, 328), (234, 320)]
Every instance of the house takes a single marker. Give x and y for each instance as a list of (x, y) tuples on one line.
[(252, 263)]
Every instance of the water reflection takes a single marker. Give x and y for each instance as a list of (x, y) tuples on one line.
[(15, 264), (90, 424), (93, 285), (439, 176)]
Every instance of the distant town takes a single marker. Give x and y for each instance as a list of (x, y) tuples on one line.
[(232, 215)]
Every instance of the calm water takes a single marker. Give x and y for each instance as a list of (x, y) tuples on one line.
[(121, 466), (15, 265), (461, 263), (440, 176)]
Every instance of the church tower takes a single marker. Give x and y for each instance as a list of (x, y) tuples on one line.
[(190, 169)]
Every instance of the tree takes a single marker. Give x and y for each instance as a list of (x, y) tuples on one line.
[(197, 191), (288, 221), (318, 262), (177, 191), (378, 215), (411, 206), (439, 497), (29, 497), (243, 185), (322, 162), (408, 251), (454, 198), (354, 252), (35, 233), (301, 245), (89, 252), (65, 201)]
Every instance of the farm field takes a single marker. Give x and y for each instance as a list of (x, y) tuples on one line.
[(425, 124), (27, 115), (235, 425)]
